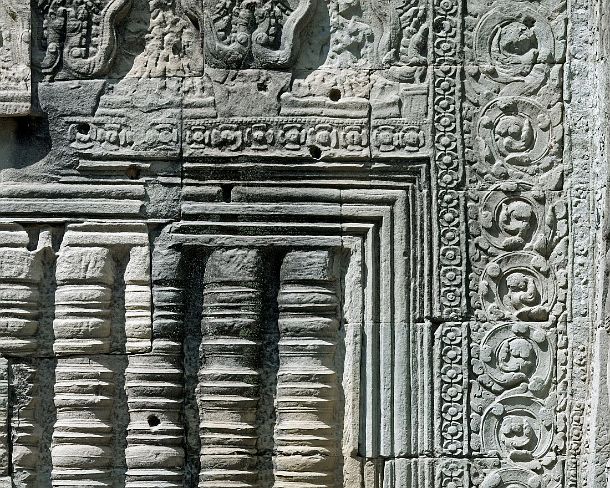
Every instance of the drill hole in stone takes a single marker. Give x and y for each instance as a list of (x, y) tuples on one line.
[(83, 128), (133, 172), (226, 192), (315, 152), (153, 420), (261, 86), (334, 94)]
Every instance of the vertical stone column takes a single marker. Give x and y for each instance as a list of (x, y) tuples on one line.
[(138, 327), (82, 324), (229, 382), (20, 275), (82, 450), (84, 389), (154, 384), (25, 430), (154, 454), (306, 441)]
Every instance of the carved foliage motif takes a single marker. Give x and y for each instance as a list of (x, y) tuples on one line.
[(518, 251), (518, 241), (513, 115)]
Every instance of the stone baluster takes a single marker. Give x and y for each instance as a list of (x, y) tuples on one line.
[(82, 451), (229, 380), (138, 328), (20, 275), (154, 453), (306, 444), (25, 429), (82, 324), (5, 405), (154, 384)]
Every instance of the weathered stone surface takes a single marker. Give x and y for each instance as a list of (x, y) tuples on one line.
[(304, 243), (15, 73)]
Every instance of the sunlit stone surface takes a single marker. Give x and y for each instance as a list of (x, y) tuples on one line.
[(303, 244)]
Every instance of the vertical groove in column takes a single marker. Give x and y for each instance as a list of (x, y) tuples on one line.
[(25, 430), (307, 448), (82, 450), (229, 381)]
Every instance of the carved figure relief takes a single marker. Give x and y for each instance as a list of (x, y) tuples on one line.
[(79, 36), (15, 70), (297, 244)]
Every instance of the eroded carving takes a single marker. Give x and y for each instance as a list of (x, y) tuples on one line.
[(79, 37), (15, 71)]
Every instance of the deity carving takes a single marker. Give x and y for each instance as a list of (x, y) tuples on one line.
[(15, 70), (170, 45), (79, 36), (251, 33)]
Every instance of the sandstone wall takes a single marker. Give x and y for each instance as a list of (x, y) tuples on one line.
[(303, 243)]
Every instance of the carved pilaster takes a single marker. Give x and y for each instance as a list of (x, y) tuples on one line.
[(154, 384), (85, 276), (138, 327), (228, 378), (25, 429), (20, 275), (154, 451), (103, 275), (306, 444), (82, 450)]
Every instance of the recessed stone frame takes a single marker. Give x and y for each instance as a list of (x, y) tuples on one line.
[(376, 223)]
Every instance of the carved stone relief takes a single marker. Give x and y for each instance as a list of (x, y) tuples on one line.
[(15, 74), (302, 243)]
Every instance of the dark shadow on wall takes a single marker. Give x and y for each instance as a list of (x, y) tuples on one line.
[(23, 141), (192, 338)]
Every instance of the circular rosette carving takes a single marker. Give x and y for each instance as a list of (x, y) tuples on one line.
[(512, 221), (509, 41), (517, 132), (519, 428), (513, 354), (511, 478), (518, 285)]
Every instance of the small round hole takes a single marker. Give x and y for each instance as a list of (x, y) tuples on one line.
[(315, 152), (261, 86), (83, 128), (334, 94), (153, 420), (133, 172)]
